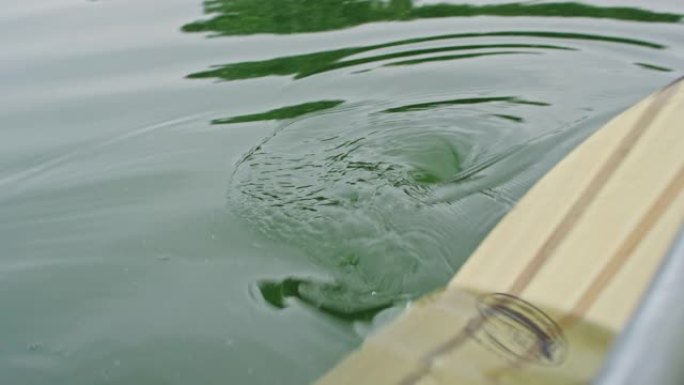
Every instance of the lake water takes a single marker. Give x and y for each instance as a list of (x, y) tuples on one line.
[(238, 191)]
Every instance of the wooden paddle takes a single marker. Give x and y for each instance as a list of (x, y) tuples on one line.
[(542, 298)]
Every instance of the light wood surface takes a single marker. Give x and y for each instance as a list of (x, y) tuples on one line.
[(573, 259)]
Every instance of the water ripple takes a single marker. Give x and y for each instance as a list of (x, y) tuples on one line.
[(389, 192)]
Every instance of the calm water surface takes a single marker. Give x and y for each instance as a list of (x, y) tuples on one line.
[(238, 191)]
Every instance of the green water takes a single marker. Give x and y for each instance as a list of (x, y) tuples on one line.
[(237, 192)]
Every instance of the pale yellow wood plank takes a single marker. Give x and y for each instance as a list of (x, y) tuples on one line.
[(505, 251), (612, 218), (582, 245), (621, 296)]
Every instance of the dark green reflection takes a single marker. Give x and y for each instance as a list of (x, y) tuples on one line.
[(349, 63), (511, 118), (348, 305), (288, 112), (442, 103), (654, 67), (456, 57), (242, 17), (301, 66)]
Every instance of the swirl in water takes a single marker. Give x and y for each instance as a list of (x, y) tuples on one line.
[(388, 202), (389, 193)]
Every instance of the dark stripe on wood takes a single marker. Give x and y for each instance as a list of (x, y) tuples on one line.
[(579, 208), (630, 244)]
